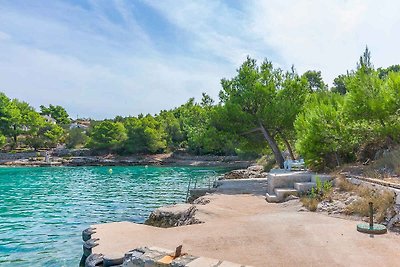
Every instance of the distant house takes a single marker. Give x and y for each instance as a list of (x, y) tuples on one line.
[(49, 119), (79, 125)]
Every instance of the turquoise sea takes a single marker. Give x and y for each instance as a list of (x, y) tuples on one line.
[(44, 210)]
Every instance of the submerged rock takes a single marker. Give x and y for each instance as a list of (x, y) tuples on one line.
[(171, 216)]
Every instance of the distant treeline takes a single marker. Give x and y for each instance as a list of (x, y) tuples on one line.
[(262, 110)]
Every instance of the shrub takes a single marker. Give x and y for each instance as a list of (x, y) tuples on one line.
[(310, 203), (322, 191)]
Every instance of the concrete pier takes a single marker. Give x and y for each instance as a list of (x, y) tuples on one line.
[(246, 230)]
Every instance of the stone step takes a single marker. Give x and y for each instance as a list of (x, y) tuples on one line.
[(322, 177), (286, 180), (282, 193), (271, 198), (304, 187)]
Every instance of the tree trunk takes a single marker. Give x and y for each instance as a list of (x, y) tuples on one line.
[(287, 144), (272, 144)]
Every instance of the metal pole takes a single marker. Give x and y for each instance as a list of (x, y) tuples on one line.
[(187, 192), (371, 215)]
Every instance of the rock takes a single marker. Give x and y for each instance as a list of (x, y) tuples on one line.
[(254, 171), (256, 168), (291, 197), (302, 209), (201, 201), (171, 216)]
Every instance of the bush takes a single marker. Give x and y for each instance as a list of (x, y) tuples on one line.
[(322, 191), (310, 203)]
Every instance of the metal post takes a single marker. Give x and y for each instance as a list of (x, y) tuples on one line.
[(188, 189), (371, 215)]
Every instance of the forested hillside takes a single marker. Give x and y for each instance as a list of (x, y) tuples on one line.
[(262, 110)]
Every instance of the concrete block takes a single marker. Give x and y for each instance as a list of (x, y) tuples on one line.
[(286, 180), (304, 187), (322, 177), (271, 198), (203, 262), (282, 193)]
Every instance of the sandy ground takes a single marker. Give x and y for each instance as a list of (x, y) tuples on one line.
[(248, 230)]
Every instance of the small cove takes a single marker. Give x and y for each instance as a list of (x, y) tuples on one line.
[(44, 210)]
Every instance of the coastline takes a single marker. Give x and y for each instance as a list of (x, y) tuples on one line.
[(113, 160)]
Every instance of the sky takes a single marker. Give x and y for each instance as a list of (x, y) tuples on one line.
[(102, 58)]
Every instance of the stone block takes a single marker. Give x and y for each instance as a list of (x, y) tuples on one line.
[(286, 180), (283, 193), (271, 198), (304, 187), (322, 177)]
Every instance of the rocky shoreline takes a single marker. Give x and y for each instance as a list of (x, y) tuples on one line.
[(83, 158)]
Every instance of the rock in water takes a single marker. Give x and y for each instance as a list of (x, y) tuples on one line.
[(171, 216)]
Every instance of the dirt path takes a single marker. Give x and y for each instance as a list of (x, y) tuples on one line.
[(248, 230)]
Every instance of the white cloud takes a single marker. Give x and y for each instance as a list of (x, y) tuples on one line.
[(80, 58), (328, 35)]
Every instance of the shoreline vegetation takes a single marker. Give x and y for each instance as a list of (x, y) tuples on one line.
[(261, 111)]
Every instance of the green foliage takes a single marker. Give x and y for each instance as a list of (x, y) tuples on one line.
[(320, 131), (76, 138), (3, 140), (107, 135), (263, 97), (384, 72), (56, 112), (145, 135), (339, 85), (47, 136), (321, 191), (315, 81), (9, 116)]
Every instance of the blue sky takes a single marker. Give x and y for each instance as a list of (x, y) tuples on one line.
[(104, 58)]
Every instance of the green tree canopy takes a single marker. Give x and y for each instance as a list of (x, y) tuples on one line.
[(107, 135), (56, 112), (145, 135), (315, 81)]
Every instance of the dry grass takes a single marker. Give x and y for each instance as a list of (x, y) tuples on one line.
[(345, 186), (309, 203), (383, 200), (385, 166)]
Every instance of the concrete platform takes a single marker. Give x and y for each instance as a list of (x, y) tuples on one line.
[(248, 231)]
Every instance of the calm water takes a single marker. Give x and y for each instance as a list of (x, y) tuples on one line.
[(44, 210)]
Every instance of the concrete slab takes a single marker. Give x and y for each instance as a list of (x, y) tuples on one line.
[(268, 232), (283, 193), (271, 198), (203, 262), (230, 264), (304, 187)]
